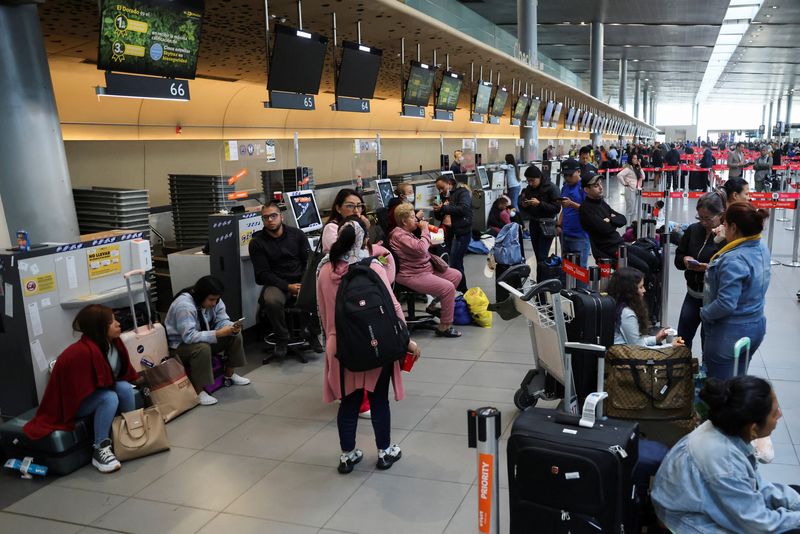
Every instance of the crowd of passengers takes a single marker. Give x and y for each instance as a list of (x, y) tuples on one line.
[(709, 481)]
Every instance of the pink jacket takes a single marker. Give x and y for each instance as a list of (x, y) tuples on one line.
[(412, 252), (627, 177), (330, 232), (327, 286)]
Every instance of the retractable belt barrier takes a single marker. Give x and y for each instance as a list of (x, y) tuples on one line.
[(483, 433)]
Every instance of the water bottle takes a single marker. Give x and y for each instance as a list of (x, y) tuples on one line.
[(359, 183)]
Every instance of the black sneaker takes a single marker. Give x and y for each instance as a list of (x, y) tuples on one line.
[(316, 346), (103, 458), (348, 460), (387, 457)]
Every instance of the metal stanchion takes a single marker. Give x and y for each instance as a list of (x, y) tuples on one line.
[(790, 227), (575, 258), (784, 187), (622, 260), (594, 278), (795, 258), (665, 266), (483, 431), (770, 236), (604, 265)]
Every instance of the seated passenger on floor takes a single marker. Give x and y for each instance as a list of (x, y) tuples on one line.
[(418, 270), (91, 376), (499, 215), (709, 481), (632, 319), (198, 327), (279, 254)]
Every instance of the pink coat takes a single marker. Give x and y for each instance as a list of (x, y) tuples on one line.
[(327, 286), (330, 232), (627, 178), (412, 252)]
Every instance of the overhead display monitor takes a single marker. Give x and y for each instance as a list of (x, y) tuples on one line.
[(556, 115), (358, 72), (533, 110), (449, 91), (520, 107), (499, 102), (303, 210), (570, 117), (576, 119), (296, 62), (482, 98), (384, 191), (156, 37), (548, 113), (587, 117), (419, 85)]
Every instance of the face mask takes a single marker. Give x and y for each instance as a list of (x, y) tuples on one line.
[(512, 212)]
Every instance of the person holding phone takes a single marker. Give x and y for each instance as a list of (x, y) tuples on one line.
[(573, 237), (692, 255), (198, 327)]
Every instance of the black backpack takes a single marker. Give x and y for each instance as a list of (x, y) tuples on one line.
[(369, 335)]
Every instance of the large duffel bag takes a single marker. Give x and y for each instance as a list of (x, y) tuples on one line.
[(650, 383), (569, 479)]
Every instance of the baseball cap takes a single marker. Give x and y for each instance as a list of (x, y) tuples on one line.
[(570, 166), (589, 178)]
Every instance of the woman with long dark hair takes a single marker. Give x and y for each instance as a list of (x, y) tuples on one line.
[(91, 376), (632, 324), (198, 327), (513, 185)]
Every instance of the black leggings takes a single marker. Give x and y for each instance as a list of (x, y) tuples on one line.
[(347, 419)]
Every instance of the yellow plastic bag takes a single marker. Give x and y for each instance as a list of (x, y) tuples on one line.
[(478, 303)]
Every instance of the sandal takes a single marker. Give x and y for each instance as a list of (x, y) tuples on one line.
[(450, 332)]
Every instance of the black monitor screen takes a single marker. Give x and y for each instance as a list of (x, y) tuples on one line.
[(520, 107), (482, 98), (385, 192), (297, 60), (484, 177), (533, 111), (305, 211), (449, 91), (155, 37), (419, 85), (358, 72), (587, 116), (499, 102), (556, 114), (570, 116), (548, 112), (576, 118)]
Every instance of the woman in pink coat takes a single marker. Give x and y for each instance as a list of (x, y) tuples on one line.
[(631, 178), (416, 271), (349, 248)]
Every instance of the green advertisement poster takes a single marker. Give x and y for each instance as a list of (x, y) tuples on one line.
[(157, 37)]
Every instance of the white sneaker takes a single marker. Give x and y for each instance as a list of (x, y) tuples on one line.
[(237, 380), (365, 415), (206, 399)]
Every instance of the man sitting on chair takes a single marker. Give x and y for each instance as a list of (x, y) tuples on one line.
[(279, 254)]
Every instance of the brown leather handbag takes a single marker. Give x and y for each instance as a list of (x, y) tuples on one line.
[(139, 433)]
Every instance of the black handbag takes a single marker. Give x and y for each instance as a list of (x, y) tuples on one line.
[(307, 296), (548, 227)]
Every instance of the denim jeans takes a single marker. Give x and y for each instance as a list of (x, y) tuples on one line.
[(579, 245), (690, 320), (104, 403), (513, 195), (540, 243), (718, 342), (457, 252), (347, 419)]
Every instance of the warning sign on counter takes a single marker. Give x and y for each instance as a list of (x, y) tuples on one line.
[(104, 261), (43, 283)]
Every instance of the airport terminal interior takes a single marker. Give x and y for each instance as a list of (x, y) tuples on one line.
[(149, 147)]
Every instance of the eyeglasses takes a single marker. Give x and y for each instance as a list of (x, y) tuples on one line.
[(351, 206), (271, 216), (706, 219)]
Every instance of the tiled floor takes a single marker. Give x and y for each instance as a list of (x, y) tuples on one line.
[(263, 460)]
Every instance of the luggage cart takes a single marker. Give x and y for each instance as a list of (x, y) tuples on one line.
[(547, 313)]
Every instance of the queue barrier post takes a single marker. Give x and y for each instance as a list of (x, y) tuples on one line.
[(665, 258), (796, 239), (784, 187), (483, 433), (770, 237)]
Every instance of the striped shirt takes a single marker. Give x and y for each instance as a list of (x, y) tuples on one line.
[(184, 325)]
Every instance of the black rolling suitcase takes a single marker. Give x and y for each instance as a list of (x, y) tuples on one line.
[(564, 478), (593, 323)]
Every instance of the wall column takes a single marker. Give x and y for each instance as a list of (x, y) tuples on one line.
[(637, 89), (768, 133), (596, 59), (789, 97), (528, 45), (645, 104), (35, 190), (623, 83)]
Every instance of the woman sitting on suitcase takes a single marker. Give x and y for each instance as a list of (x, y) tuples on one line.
[(709, 481), (91, 376), (632, 323), (198, 327)]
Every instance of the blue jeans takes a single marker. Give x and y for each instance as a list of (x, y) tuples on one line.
[(513, 195), (540, 243), (690, 320), (458, 249), (104, 404), (579, 245), (347, 418), (718, 342)]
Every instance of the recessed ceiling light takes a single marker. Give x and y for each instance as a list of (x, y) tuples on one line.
[(768, 15), (774, 7), (583, 23)]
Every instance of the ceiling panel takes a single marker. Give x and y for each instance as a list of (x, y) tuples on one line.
[(632, 34)]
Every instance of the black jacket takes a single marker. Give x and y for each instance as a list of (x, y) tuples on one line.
[(459, 208), (547, 194), (696, 244), (673, 157), (279, 261), (603, 235), (656, 158)]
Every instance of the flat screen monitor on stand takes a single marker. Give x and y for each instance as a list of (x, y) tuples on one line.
[(483, 176), (302, 212), (384, 191)]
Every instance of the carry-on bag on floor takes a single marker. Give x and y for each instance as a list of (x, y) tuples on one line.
[(148, 341), (593, 323), (218, 370), (565, 478)]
